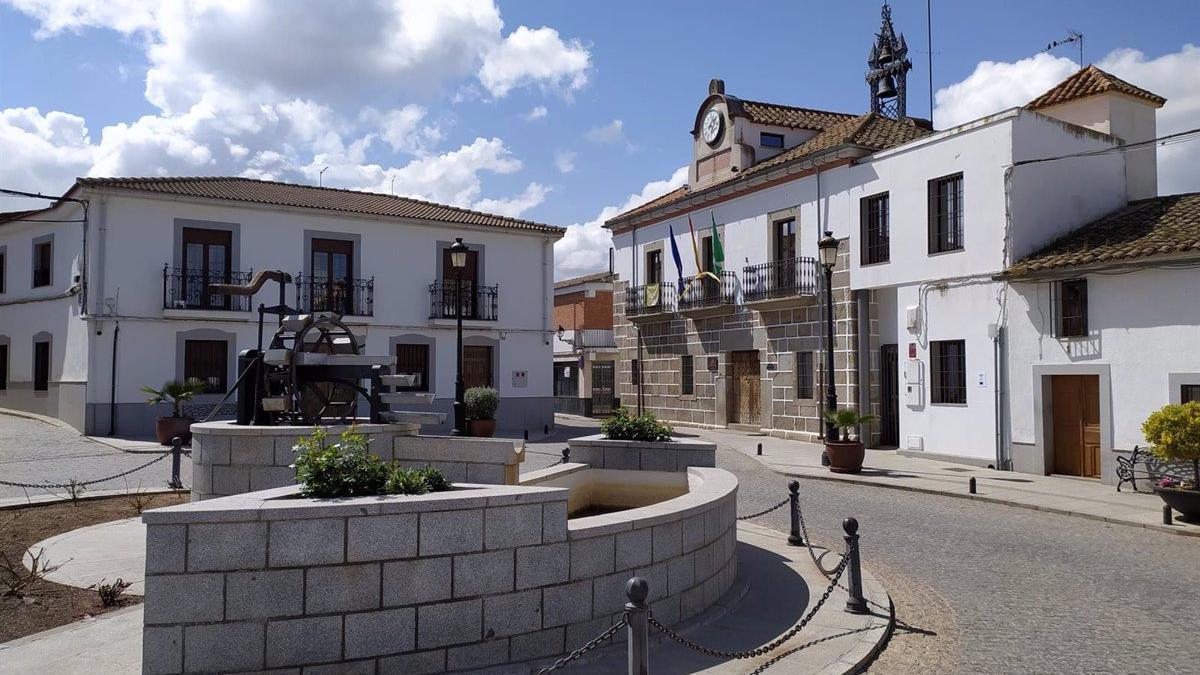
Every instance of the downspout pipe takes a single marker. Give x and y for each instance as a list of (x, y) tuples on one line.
[(112, 387)]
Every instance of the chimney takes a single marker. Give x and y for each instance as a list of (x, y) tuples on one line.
[(716, 86)]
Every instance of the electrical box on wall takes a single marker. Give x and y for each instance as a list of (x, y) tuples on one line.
[(912, 317), (914, 384)]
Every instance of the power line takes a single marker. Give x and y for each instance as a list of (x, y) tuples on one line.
[(1169, 139)]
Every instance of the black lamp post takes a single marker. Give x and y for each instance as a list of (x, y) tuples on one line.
[(458, 259), (828, 247)]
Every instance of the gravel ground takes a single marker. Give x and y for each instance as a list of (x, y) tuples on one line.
[(32, 451), (987, 588)]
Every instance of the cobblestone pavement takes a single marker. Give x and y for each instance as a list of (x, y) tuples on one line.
[(1003, 589), (32, 451)]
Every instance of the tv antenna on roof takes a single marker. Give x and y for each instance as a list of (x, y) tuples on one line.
[(321, 177), (1072, 36)]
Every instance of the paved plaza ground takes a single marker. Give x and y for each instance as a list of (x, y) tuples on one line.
[(980, 587)]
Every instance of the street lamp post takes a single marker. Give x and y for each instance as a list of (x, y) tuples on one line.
[(458, 259), (828, 247)]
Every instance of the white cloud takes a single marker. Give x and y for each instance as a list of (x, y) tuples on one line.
[(613, 132), (564, 161), (452, 177), (584, 248), (514, 207), (996, 86), (57, 16), (46, 152), (534, 56), (537, 112)]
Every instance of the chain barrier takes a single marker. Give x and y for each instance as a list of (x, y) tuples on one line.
[(766, 511), (766, 648), (592, 644), (817, 563), (86, 483)]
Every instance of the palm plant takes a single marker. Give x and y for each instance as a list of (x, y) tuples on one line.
[(176, 393), (846, 419)]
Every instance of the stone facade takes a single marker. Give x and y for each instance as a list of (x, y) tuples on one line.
[(228, 459), (777, 329), (675, 455), (475, 577)]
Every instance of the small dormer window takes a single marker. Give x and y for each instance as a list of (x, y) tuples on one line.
[(769, 140)]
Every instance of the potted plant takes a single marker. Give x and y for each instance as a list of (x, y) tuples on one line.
[(176, 393), (1173, 432), (481, 411), (845, 455)]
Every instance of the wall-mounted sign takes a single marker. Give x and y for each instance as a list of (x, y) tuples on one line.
[(772, 366), (520, 378), (712, 364)]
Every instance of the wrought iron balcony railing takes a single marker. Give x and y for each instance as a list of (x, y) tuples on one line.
[(354, 297), (650, 299), (189, 289), (706, 291), (779, 279), (479, 303)]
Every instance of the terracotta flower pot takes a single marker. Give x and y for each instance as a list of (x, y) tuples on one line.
[(845, 456), (166, 428), (481, 428), (1186, 502)]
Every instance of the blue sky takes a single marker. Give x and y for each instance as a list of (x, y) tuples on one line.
[(135, 87)]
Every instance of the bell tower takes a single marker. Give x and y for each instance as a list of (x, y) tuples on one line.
[(887, 77)]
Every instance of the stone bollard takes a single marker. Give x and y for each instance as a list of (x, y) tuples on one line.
[(855, 603), (638, 628), (176, 451), (794, 537)]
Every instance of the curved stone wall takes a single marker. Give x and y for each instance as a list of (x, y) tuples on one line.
[(478, 576)]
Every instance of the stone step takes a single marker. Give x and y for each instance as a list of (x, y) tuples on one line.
[(413, 417)]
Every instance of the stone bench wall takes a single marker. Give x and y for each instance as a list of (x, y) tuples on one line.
[(228, 459), (459, 580), (674, 455)]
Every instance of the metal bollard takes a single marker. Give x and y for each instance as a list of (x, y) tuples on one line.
[(638, 628), (176, 451), (1166, 515), (794, 537), (566, 453), (855, 604), (545, 429), (971, 485), (760, 448), (526, 434)]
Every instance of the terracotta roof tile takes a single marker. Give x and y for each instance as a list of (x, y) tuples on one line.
[(587, 278), (1144, 229), (1089, 82), (235, 188), (790, 116)]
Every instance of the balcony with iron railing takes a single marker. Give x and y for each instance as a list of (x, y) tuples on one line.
[(189, 290), (350, 297), (479, 303), (650, 300), (779, 279), (706, 292)]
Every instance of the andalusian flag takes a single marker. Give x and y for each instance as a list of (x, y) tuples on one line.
[(718, 250)]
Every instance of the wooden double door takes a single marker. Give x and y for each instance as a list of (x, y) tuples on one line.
[(1075, 413), (745, 382), (477, 366)]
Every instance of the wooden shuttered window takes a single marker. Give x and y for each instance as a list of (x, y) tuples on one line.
[(413, 359), (41, 365), (687, 375), (1071, 308), (208, 361), (804, 375)]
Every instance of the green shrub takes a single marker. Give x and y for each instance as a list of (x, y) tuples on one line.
[(625, 426), (403, 481), (1174, 434), (342, 469), (481, 403)]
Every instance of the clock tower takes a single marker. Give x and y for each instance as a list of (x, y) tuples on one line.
[(887, 77)]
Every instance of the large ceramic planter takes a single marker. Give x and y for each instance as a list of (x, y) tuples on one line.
[(845, 456), (481, 428), (167, 428), (1187, 502)]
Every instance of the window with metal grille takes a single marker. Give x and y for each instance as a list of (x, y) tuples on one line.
[(413, 359), (43, 259), (1072, 308), (3, 367), (946, 214), (687, 375), (41, 365), (208, 361), (566, 379), (769, 140), (1189, 393), (948, 371), (635, 373), (804, 375), (876, 241)]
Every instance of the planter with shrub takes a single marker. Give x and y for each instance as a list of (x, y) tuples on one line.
[(177, 394), (481, 403), (346, 468), (845, 454), (640, 442), (1174, 436)]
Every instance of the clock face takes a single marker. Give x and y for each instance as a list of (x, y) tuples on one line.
[(711, 128)]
